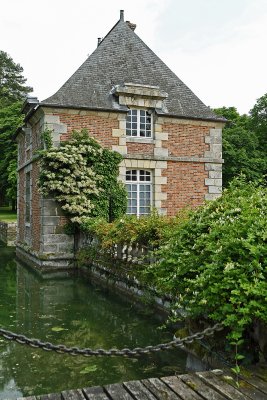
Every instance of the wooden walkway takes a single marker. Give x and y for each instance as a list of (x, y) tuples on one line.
[(209, 385)]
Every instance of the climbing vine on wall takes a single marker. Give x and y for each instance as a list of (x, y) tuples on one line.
[(82, 177)]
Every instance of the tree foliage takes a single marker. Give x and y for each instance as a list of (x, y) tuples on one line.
[(12, 93), (258, 123), (12, 82), (242, 146)]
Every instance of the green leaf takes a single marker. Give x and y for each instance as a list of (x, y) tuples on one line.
[(87, 370), (58, 329)]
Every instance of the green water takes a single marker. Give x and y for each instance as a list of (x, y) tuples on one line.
[(72, 312)]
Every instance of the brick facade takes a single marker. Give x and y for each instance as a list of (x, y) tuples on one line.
[(186, 140), (186, 185), (179, 154)]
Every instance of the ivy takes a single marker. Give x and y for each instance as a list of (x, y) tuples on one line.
[(46, 137), (82, 177)]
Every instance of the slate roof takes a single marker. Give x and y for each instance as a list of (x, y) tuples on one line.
[(123, 57)]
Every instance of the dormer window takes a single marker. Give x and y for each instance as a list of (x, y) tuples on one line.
[(139, 123)]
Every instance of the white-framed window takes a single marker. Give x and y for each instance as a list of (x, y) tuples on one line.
[(139, 123), (28, 198), (139, 189)]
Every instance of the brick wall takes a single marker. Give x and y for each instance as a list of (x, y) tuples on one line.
[(186, 140), (98, 127), (185, 187), (140, 148)]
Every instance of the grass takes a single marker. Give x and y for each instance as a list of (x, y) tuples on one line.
[(7, 215)]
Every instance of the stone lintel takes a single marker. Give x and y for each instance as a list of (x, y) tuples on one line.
[(139, 91)]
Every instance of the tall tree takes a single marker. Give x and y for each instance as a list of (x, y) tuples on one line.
[(12, 82), (242, 151), (13, 91), (258, 123)]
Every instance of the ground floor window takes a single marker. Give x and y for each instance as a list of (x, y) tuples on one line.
[(139, 188), (28, 198)]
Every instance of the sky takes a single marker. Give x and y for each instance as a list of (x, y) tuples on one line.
[(216, 47)]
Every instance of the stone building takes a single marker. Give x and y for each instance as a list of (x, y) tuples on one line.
[(131, 102)]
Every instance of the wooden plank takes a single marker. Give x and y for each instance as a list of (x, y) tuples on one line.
[(160, 389), (138, 390), (118, 392), (260, 372), (257, 382), (195, 383), (230, 392), (180, 388), (95, 393), (51, 396), (72, 395), (253, 387)]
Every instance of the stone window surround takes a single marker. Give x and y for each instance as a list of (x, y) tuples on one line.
[(156, 167), (137, 182), (147, 134), (28, 169), (120, 133)]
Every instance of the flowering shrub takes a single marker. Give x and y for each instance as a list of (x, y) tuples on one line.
[(82, 177), (215, 263)]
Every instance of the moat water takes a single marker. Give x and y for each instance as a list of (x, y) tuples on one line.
[(75, 313)]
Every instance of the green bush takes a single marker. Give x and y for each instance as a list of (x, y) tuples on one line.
[(215, 262)]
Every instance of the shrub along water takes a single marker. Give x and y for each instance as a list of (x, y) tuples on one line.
[(213, 260)]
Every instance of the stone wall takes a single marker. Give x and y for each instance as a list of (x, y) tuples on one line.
[(8, 233)]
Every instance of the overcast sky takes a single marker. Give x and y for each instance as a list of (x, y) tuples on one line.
[(216, 47)]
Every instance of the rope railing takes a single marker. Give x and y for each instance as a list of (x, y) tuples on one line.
[(125, 352)]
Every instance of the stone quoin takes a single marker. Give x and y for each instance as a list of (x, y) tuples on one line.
[(130, 102)]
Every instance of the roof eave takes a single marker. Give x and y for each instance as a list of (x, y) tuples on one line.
[(210, 119)]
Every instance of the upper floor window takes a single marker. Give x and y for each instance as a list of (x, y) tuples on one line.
[(139, 123), (139, 189)]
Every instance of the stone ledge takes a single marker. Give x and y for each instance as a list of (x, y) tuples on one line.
[(173, 158), (45, 263)]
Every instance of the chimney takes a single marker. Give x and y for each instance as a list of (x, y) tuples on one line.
[(99, 41), (131, 25), (121, 15)]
